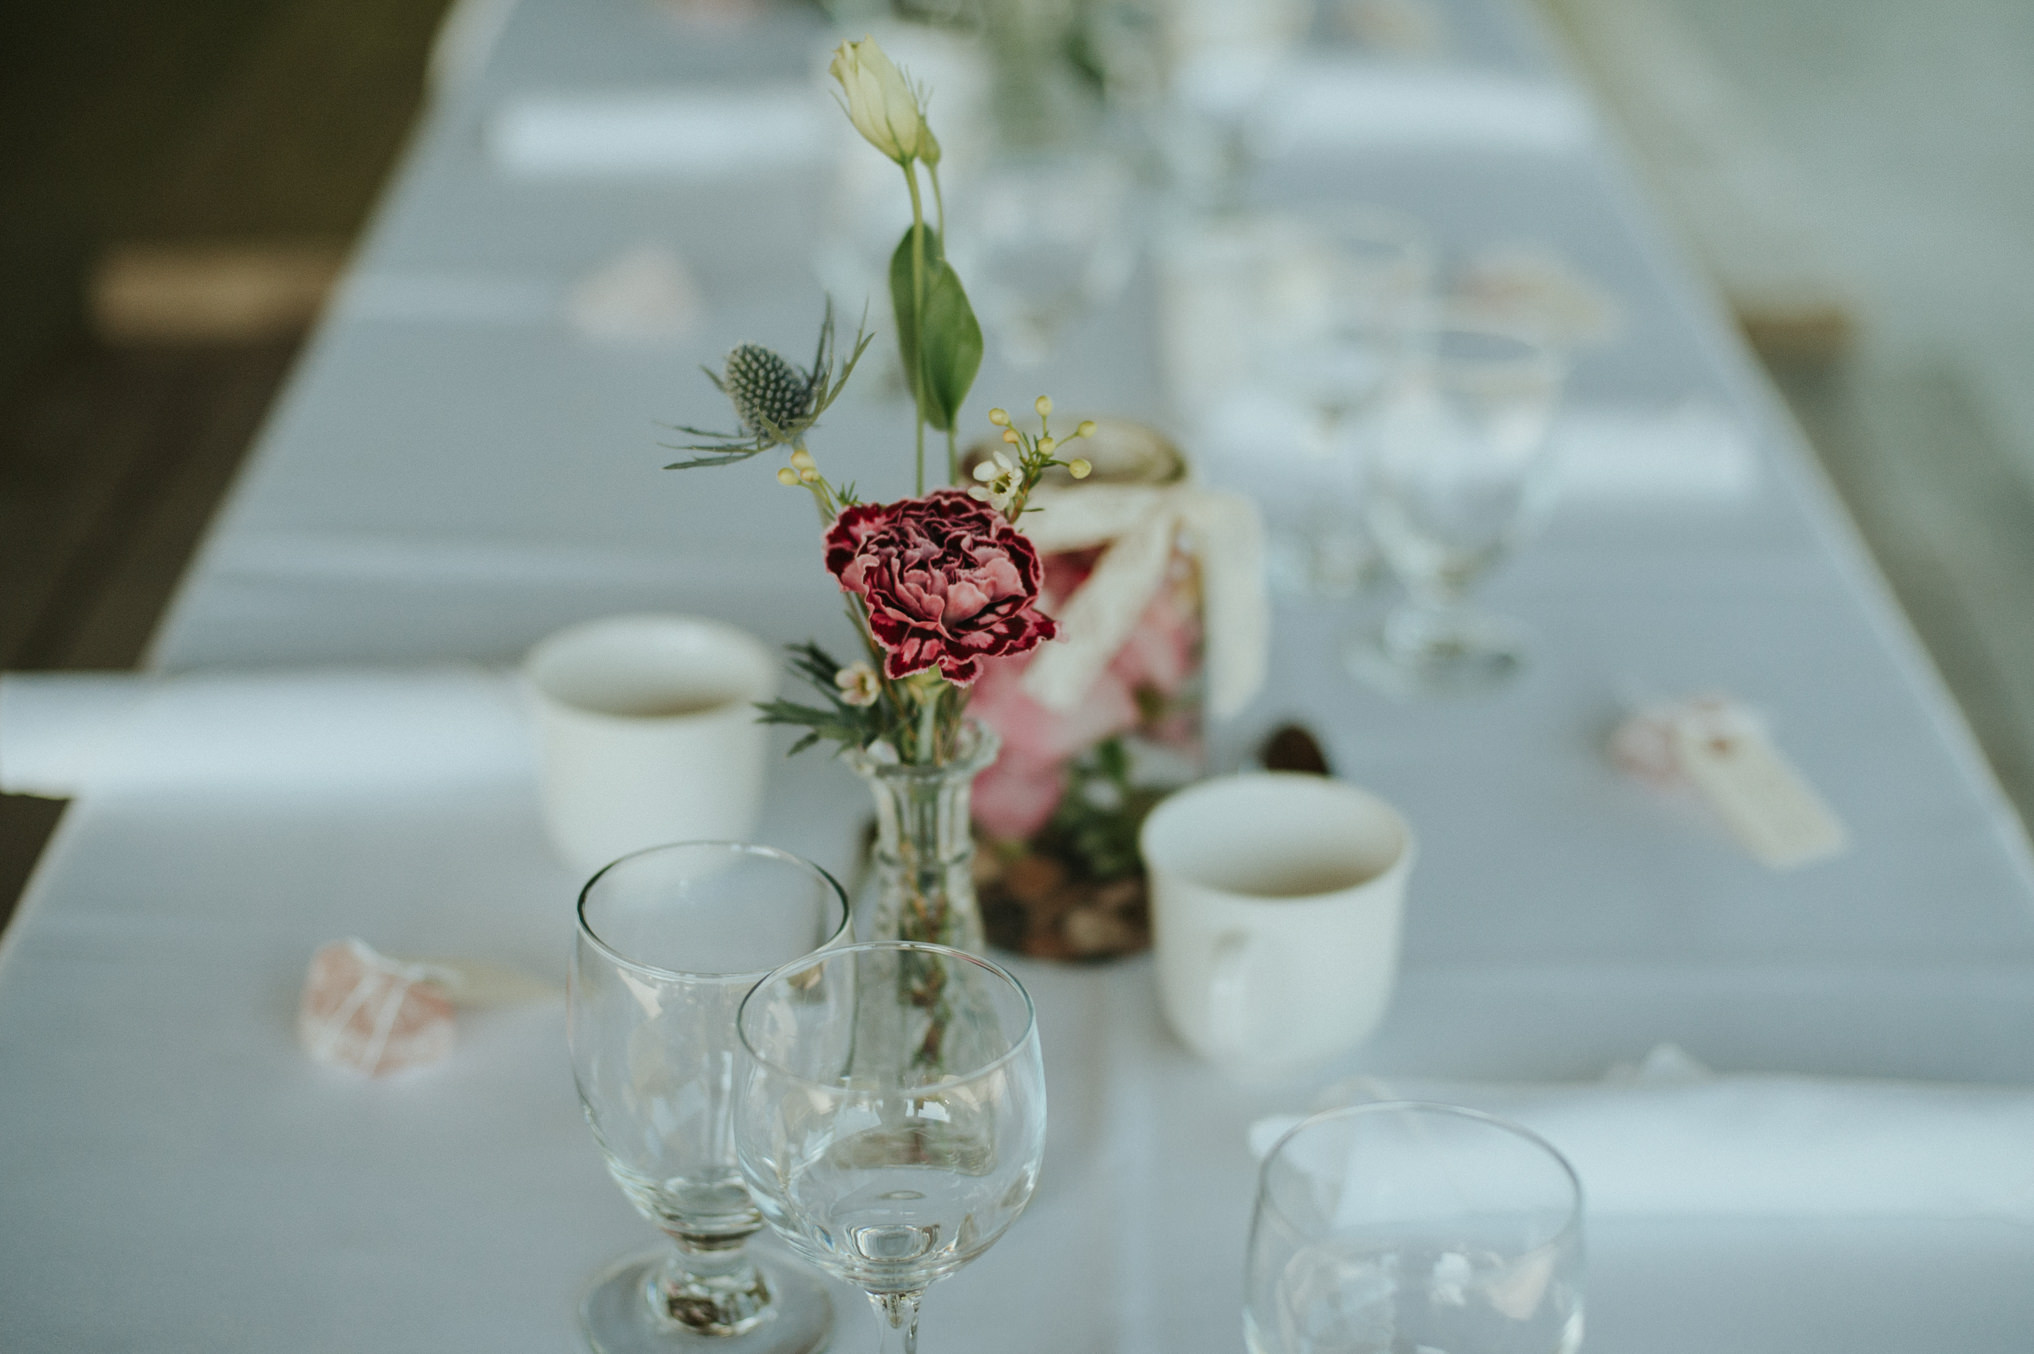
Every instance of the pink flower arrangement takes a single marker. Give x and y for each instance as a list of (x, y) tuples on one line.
[(1018, 795), (946, 582)]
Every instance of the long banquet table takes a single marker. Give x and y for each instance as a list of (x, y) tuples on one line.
[(454, 472)]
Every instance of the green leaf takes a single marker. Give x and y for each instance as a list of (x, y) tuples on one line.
[(900, 302), (953, 349)]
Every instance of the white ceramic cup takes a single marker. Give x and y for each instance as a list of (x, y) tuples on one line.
[(1275, 906), (647, 731)]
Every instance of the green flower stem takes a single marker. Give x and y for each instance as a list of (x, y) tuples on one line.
[(952, 449), (918, 311), (928, 726)]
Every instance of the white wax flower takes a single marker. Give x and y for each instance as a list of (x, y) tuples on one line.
[(858, 684)]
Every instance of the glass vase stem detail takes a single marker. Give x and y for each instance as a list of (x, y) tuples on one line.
[(922, 886)]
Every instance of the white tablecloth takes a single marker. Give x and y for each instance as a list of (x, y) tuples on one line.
[(456, 475)]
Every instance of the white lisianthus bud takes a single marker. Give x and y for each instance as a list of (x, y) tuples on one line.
[(858, 684), (881, 103)]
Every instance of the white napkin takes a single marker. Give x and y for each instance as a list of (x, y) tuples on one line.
[(1670, 1139), (697, 133), (1327, 104), (1685, 453), (67, 734)]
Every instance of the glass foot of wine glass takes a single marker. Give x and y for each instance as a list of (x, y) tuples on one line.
[(626, 1311), (1423, 653)]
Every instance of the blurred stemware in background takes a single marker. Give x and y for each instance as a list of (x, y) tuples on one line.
[(1459, 474), (1222, 58), (1282, 332), (1396, 1226), (891, 1118), (669, 942), (1342, 316), (1044, 224), (1045, 236)]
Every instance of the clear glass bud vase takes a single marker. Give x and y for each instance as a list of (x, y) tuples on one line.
[(922, 886)]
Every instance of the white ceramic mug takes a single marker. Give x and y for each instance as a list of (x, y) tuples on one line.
[(1275, 906), (647, 730)]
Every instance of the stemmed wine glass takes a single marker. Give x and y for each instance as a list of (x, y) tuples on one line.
[(670, 940), (1342, 313), (1397, 1226), (1459, 473), (1044, 236), (891, 1117)]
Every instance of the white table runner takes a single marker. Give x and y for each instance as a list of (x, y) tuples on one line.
[(175, 1176)]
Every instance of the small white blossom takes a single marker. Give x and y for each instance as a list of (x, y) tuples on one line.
[(858, 684), (1000, 480)]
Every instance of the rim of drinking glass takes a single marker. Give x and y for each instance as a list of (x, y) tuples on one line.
[(981, 749), (1030, 1034), (1570, 1225), (741, 848), (1382, 225), (1536, 347)]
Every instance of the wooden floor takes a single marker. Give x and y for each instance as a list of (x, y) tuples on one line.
[(255, 119), (123, 121)]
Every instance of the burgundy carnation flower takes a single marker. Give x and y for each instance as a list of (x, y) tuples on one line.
[(946, 581)]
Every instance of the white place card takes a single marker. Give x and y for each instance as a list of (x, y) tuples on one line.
[(1691, 453), (1767, 805)]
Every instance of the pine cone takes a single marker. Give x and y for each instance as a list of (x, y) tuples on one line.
[(768, 392)]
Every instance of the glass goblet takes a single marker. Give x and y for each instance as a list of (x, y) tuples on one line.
[(670, 940), (1342, 313), (891, 1117), (1458, 475), (1398, 1226), (1044, 237)]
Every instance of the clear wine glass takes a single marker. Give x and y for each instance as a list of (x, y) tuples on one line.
[(1044, 236), (1344, 310), (1397, 1226), (891, 1117), (1458, 475), (670, 940)]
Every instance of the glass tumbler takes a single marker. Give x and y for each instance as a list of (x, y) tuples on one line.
[(891, 1118), (670, 940), (1393, 1227), (1459, 474)]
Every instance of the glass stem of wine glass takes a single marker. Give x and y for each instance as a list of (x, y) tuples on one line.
[(897, 1320), (1435, 612), (709, 1284)]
